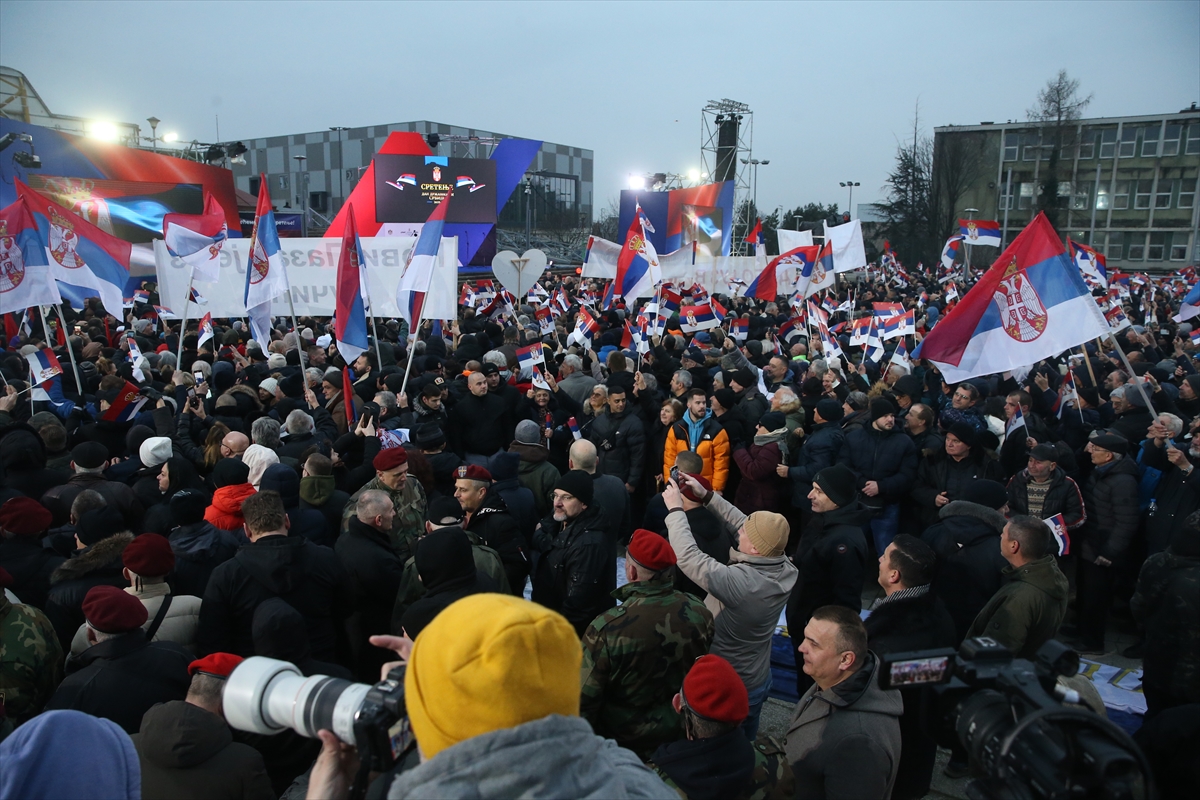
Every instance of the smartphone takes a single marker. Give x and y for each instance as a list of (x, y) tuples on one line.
[(78, 329), (677, 476), (191, 393), (199, 376)]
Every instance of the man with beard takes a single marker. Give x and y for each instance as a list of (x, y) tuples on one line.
[(884, 461), (1043, 490), (488, 518)]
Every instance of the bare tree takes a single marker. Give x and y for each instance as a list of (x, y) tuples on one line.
[(1059, 106), (957, 160), (908, 209), (607, 224)]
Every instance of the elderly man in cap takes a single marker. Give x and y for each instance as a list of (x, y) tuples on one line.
[(575, 561), (100, 537), (1111, 499), (186, 750), (635, 655), (147, 560), (746, 595), (1043, 490), (488, 518), (716, 759), (88, 461), (122, 674), (408, 498)]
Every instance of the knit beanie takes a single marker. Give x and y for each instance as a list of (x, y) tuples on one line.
[(726, 398), (768, 532), (578, 484), (772, 420), (881, 407), (486, 663), (837, 482), (154, 451)]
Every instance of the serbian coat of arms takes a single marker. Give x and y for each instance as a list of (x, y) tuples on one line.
[(64, 242), (12, 261), (1022, 314)]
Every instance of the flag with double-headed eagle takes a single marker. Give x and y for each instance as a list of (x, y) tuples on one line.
[(25, 278), (638, 270), (265, 277), (1031, 304), (1092, 265), (197, 239)]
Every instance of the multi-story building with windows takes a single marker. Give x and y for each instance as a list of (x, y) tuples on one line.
[(1127, 185), (327, 165)]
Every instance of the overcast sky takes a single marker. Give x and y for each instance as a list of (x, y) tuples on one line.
[(833, 86)]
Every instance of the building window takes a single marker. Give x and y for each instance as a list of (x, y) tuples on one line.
[(1162, 199), (1116, 246), (1179, 248), (254, 185), (1141, 198), (1026, 199), (1187, 194), (1170, 145), (1150, 142), (1137, 247), (1121, 198), (1158, 244), (1128, 147), (1081, 197), (1087, 144), (1012, 143), (1103, 198), (1031, 146), (1108, 143), (1193, 139), (1006, 199)]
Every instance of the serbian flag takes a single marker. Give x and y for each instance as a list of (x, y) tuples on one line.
[(350, 311), (1116, 319), (951, 292), (195, 297), (25, 277), (860, 331), (792, 327), (528, 356), (818, 275), (798, 258), (467, 296), (81, 256), (1196, 337), (574, 426), (545, 320), (892, 327), (1062, 537), (414, 283), (755, 236), (206, 330), (900, 356), (197, 239), (44, 365), (739, 328), (874, 347), (128, 403), (698, 318), (586, 327), (1031, 304), (980, 232), (950, 252), (1066, 393), (765, 286), (1091, 264), (887, 309), (669, 302), (638, 271), (539, 378), (265, 278), (348, 398)]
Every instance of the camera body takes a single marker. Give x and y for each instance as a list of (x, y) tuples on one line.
[(1008, 713)]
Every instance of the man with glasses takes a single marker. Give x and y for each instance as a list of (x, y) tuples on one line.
[(961, 405), (234, 444)]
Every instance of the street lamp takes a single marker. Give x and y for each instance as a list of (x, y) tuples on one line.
[(850, 185), (303, 175), (341, 161), (754, 162), (153, 131)]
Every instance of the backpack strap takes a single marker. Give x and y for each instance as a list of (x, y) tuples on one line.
[(159, 617)]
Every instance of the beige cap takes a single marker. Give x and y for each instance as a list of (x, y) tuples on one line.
[(768, 532)]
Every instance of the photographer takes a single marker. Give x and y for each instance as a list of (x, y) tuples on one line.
[(492, 693)]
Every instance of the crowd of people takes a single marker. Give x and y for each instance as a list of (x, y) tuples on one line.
[(165, 516)]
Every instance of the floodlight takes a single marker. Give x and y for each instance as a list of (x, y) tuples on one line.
[(171, 137), (637, 182), (693, 175), (104, 131)]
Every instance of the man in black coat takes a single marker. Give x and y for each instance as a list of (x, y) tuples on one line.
[(198, 545), (910, 617), (88, 461), (479, 423), (831, 557), (448, 573), (1043, 490), (100, 539), (620, 439), (884, 461), (819, 450), (306, 575), (488, 518), (1132, 418), (1178, 492), (373, 569), (967, 543), (576, 563), (123, 673)]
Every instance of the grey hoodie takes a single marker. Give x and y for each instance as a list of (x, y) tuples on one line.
[(552, 757), (745, 597)]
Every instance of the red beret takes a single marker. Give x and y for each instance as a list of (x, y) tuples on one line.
[(149, 555), (714, 691), (651, 550), (111, 610), (24, 516), (473, 472), (687, 491), (219, 664), (390, 458)]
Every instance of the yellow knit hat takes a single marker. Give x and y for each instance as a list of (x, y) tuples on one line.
[(768, 532), (487, 662)]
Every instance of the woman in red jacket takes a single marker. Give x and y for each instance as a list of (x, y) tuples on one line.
[(229, 476)]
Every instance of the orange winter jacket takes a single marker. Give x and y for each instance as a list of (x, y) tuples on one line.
[(713, 447), (226, 509)]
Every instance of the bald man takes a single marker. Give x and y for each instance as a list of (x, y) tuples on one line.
[(611, 496), (234, 444)]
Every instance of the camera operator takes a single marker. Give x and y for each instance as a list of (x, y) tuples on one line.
[(492, 693), (844, 737)]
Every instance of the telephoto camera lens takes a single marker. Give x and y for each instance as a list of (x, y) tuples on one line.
[(265, 695)]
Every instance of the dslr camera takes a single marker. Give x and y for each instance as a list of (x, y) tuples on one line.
[(1009, 715), (266, 696)]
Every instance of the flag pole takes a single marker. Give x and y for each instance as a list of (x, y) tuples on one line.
[(412, 348), (46, 327), (70, 349), (1088, 361), (296, 329), (183, 324), (375, 336)]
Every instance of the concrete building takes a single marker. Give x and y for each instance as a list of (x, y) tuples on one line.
[(335, 159), (1127, 185)]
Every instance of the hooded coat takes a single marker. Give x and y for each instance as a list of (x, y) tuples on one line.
[(498, 528), (320, 493), (102, 759), (537, 474), (969, 566), (226, 509), (845, 741), (198, 549), (97, 565), (446, 564), (188, 752)]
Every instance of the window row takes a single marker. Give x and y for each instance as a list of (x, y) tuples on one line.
[(1149, 141), (1137, 246), (1170, 193)]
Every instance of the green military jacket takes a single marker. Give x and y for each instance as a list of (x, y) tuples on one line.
[(410, 505), (411, 590), (31, 660), (634, 660)]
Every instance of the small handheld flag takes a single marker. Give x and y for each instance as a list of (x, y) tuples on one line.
[(1062, 537), (44, 365), (574, 426), (531, 355)]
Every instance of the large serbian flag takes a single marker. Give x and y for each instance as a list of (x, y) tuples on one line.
[(638, 270), (1031, 304), (197, 239), (980, 232)]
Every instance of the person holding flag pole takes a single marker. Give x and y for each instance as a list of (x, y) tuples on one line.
[(70, 350), (196, 240), (265, 275), (418, 275)]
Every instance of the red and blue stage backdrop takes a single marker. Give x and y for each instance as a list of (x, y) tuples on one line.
[(701, 214)]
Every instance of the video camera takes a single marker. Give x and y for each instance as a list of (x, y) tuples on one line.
[(266, 696), (1008, 713)]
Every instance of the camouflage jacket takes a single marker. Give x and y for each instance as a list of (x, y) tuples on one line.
[(410, 504), (411, 590), (31, 660), (634, 660), (770, 778)]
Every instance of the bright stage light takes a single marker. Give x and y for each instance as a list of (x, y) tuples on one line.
[(637, 182), (105, 131), (171, 137), (693, 175)]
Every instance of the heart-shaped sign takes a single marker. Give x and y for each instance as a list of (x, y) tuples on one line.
[(518, 273)]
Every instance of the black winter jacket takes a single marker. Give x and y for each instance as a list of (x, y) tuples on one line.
[(887, 457), (831, 559), (1111, 497), (1063, 497), (198, 549), (577, 568), (620, 442), (498, 529), (373, 569), (820, 450), (480, 425), (943, 474), (97, 565), (967, 544), (31, 566), (1176, 497)]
